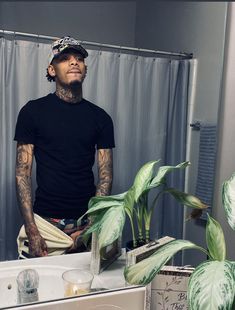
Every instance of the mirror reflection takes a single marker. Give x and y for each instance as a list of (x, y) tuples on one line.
[(140, 105)]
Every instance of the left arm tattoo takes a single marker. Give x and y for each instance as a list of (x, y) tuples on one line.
[(105, 172)]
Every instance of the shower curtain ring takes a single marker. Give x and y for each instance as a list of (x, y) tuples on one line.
[(14, 37), (138, 52), (101, 48), (38, 40), (120, 51)]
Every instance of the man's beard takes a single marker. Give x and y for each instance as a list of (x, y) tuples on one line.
[(73, 85)]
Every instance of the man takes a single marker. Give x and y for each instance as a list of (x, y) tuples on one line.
[(62, 131)]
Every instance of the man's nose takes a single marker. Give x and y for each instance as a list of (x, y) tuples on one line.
[(73, 61)]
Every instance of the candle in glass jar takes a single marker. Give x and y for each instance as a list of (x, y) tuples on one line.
[(77, 282), (75, 290)]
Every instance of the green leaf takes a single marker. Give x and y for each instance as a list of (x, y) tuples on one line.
[(144, 271), (96, 220), (101, 205), (162, 171), (212, 286), (215, 240), (96, 199), (111, 226), (129, 201), (186, 199), (228, 196), (143, 178), (98, 203), (94, 227)]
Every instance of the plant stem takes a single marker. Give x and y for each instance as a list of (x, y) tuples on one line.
[(147, 236), (140, 223), (148, 215), (132, 230), (147, 218)]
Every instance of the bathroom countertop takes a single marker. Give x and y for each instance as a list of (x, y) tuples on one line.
[(77, 260), (51, 269)]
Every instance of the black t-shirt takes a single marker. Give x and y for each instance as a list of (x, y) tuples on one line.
[(65, 137)]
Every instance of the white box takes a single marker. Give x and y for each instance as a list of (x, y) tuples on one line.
[(169, 288), (140, 253)]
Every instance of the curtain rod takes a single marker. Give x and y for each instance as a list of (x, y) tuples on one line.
[(39, 36)]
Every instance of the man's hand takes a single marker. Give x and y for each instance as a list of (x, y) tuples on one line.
[(78, 241), (37, 245)]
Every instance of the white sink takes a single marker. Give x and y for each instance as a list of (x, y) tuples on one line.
[(50, 283), (50, 271)]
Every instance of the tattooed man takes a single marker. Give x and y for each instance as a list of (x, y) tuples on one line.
[(62, 131)]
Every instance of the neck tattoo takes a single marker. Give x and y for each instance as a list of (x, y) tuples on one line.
[(68, 94)]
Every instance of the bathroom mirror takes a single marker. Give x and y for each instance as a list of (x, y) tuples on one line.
[(191, 27)]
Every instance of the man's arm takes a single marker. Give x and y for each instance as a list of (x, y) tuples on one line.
[(105, 172), (24, 162)]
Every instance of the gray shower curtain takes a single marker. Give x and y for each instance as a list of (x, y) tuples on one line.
[(147, 98)]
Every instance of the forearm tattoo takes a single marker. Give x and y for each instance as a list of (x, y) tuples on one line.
[(105, 172), (24, 161)]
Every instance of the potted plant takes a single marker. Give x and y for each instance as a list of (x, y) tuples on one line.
[(109, 213), (212, 284)]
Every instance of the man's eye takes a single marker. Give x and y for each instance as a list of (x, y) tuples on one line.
[(62, 58), (65, 58), (80, 59)]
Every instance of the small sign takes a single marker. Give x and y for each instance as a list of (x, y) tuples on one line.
[(140, 253), (169, 288), (100, 261)]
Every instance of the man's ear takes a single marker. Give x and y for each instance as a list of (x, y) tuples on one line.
[(51, 70)]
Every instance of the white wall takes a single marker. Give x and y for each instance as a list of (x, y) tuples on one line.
[(198, 28), (106, 22), (226, 147), (192, 27)]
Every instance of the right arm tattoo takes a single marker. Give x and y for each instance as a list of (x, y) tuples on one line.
[(24, 161)]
